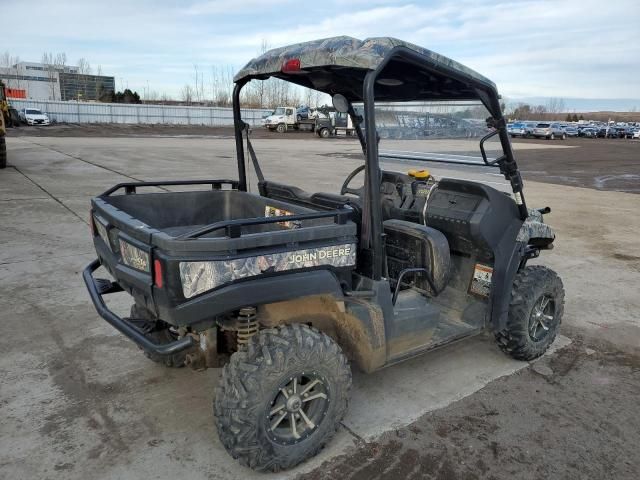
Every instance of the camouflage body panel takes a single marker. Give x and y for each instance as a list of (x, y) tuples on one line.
[(342, 51), (534, 227), (199, 277)]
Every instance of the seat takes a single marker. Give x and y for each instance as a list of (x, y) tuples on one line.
[(319, 200), (411, 245)]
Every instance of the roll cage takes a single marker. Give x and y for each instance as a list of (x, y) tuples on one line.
[(424, 78)]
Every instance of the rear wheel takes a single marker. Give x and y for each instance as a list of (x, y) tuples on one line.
[(281, 400), (564, 136), (3, 153), (535, 313)]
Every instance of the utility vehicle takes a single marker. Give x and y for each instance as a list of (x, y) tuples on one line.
[(3, 142), (338, 123), (288, 288), (4, 112)]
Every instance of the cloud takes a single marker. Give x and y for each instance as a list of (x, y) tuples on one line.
[(572, 48)]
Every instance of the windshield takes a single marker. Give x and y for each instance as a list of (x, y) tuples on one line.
[(543, 125), (438, 130), (413, 136), (442, 137), (32, 111), (279, 111)]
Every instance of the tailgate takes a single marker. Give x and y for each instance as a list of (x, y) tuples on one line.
[(123, 243)]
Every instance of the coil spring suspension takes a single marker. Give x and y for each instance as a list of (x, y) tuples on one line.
[(246, 325)]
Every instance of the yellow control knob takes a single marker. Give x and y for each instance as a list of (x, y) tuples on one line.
[(419, 174)]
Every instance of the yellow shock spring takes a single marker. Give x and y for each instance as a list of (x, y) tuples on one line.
[(246, 325)]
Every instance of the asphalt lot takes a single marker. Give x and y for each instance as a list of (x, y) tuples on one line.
[(78, 401)]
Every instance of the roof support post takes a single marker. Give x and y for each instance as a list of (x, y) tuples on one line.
[(373, 207), (239, 128)]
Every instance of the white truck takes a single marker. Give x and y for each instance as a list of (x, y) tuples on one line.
[(284, 118), (298, 118)]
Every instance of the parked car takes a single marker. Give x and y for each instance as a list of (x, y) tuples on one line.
[(571, 131), (33, 116), (602, 132), (550, 131), (302, 112), (636, 134), (616, 132), (517, 129), (588, 132)]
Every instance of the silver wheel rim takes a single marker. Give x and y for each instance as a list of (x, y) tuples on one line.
[(298, 408), (542, 318)]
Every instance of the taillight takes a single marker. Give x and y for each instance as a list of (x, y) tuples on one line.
[(157, 273), (292, 65)]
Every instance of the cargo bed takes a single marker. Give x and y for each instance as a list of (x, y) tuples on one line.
[(158, 245), (214, 220)]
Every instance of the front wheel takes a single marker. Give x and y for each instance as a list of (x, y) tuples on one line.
[(552, 137), (281, 128), (281, 400), (324, 133), (535, 313)]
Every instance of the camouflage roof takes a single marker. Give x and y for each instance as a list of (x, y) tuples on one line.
[(340, 51)]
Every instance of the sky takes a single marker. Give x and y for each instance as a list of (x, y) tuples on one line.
[(571, 49)]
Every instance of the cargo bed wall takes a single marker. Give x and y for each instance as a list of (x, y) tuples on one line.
[(180, 212), (159, 220)]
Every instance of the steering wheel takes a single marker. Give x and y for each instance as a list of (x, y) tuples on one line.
[(353, 191)]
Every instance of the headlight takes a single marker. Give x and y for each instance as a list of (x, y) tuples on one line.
[(134, 257)]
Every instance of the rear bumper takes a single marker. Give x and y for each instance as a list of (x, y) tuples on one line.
[(96, 293)]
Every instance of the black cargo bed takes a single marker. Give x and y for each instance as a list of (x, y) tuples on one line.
[(217, 220)]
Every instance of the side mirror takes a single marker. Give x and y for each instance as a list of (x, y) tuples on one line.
[(340, 103)]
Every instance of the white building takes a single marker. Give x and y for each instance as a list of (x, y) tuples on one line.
[(38, 81)]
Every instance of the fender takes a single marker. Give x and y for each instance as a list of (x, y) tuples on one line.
[(254, 292), (509, 255)]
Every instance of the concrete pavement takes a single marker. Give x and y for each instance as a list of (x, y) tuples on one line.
[(79, 401)]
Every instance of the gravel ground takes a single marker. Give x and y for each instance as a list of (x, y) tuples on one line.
[(601, 164), (573, 415)]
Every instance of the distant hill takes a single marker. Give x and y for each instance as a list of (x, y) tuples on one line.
[(598, 116), (577, 105)]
